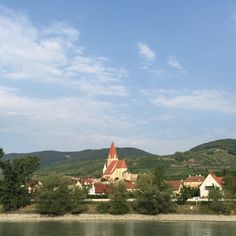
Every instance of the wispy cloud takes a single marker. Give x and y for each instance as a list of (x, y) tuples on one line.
[(72, 119), (173, 63), (52, 54), (146, 52), (206, 100)]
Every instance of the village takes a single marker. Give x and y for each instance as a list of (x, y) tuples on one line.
[(117, 191), (115, 170)]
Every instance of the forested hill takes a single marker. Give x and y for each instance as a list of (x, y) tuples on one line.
[(224, 144), (53, 157), (212, 156)]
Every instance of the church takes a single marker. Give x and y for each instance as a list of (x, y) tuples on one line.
[(114, 169)]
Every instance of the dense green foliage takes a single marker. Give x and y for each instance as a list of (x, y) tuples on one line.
[(186, 193), (118, 202), (16, 174), (153, 196), (215, 202), (103, 207), (56, 198)]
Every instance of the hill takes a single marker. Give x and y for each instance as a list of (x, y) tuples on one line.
[(212, 156), (54, 157), (224, 144)]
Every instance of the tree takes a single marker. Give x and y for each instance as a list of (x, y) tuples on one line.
[(1, 153), (215, 202), (186, 193), (16, 174), (152, 201), (179, 156), (55, 197), (78, 195), (153, 196), (158, 177), (119, 195), (230, 186)]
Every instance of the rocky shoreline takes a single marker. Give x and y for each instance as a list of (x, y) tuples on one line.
[(107, 217)]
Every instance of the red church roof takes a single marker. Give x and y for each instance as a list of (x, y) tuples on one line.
[(115, 165), (121, 164), (112, 152)]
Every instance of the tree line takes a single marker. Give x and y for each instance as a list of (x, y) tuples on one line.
[(56, 197)]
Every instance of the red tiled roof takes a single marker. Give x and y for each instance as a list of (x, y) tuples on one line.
[(219, 180), (115, 165), (86, 181), (101, 188), (110, 168), (121, 164), (129, 185), (195, 179), (112, 152), (174, 184)]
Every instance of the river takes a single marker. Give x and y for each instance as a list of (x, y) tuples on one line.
[(118, 229)]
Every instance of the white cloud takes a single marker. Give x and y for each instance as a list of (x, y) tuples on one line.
[(52, 121), (206, 99), (51, 54), (173, 63), (146, 52)]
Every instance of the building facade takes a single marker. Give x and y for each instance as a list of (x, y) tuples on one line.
[(114, 169)]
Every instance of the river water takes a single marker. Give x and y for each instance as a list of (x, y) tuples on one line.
[(118, 229)]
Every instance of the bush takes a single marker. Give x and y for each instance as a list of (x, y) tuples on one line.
[(77, 200), (79, 209), (215, 203), (151, 201), (57, 199), (103, 207), (186, 193), (54, 202), (118, 203)]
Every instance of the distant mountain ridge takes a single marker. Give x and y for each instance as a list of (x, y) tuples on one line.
[(54, 157), (211, 156)]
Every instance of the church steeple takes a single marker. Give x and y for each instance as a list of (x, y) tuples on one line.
[(112, 154)]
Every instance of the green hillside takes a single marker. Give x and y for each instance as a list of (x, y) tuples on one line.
[(53, 157), (212, 156), (228, 145)]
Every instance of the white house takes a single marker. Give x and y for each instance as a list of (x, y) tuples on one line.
[(211, 181)]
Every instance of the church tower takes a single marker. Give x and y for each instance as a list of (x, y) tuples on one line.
[(112, 154), (114, 168)]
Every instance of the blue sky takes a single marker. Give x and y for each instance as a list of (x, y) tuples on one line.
[(156, 75)]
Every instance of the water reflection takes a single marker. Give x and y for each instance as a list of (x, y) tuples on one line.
[(118, 229)]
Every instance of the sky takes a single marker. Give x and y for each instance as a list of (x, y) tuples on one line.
[(158, 75)]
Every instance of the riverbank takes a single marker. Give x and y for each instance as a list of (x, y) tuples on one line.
[(107, 217)]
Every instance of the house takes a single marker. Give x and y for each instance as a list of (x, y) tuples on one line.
[(130, 186), (114, 169), (176, 185), (194, 181), (33, 185), (99, 189), (211, 181)]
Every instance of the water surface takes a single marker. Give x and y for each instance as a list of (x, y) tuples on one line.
[(118, 229)]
